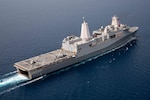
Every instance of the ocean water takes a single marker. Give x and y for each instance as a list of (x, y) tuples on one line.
[(32, 27)]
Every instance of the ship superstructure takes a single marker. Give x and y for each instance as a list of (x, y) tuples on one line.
[(76, 49)]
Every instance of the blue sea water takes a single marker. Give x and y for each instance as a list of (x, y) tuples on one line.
[(31, 27)]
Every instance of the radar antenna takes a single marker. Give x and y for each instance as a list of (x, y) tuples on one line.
[(83, 19)]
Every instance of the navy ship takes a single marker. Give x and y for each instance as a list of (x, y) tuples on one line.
[(76, 49)]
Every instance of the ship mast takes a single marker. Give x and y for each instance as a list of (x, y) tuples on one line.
[(115, 21), (85, 33)]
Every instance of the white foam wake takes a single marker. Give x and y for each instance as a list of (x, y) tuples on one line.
[(14, 79), (23, 78), (8, 74)]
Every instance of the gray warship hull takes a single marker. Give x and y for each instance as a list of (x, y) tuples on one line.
[(105, 47), (77, 49)]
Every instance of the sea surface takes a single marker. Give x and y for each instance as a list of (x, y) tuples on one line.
[(32, 27)]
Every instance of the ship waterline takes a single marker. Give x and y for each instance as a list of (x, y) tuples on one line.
[(76, 49)]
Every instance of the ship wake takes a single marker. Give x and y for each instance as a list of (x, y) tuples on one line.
[(14, 80)]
